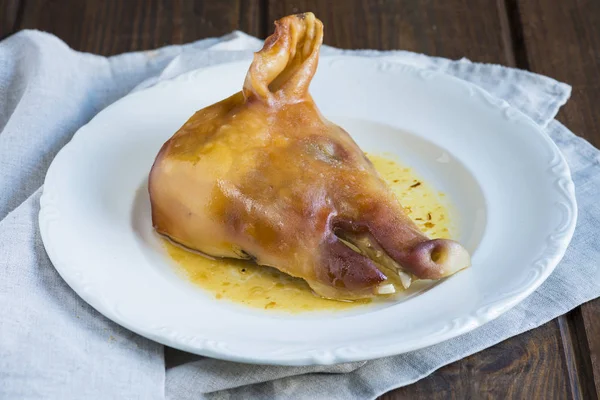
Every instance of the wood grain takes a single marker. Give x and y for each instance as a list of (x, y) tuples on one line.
[(554, 37), (525, 368), (9, 12), (111, 27), (591, 320), (453, 29), (577, 355), (561, 39)]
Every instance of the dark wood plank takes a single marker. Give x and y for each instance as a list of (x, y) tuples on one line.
[(562, 40), (540, 362), (532, 365), (577, 354), (591, 321), (453, 29), (525, 368), (9, 10), (112, 27)]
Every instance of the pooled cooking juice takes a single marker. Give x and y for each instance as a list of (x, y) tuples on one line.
[(263, 287)]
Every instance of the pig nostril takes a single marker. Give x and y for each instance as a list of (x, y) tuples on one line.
[(438, 254), (438, 258)]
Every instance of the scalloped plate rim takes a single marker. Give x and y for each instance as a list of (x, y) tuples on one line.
[(331, 355)]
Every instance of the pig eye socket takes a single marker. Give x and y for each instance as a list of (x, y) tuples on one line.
[(323, 151)]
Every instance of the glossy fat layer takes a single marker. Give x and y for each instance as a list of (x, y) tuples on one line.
[(262, 175), (256, 286)]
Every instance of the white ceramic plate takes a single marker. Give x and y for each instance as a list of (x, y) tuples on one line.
[(511, 189)]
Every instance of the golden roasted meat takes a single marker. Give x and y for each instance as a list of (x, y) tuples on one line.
[(263, 175)]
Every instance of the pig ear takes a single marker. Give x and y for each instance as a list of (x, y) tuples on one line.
[(281, 72)]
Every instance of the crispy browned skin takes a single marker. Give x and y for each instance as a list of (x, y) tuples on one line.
[(263, 175)]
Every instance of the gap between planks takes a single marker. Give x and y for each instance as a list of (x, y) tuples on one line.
[(11, 13), (576, 352)]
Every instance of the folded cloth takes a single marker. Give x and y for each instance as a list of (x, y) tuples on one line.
[(54, 346)]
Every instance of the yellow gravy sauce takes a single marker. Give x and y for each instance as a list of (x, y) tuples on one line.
[(262, 287)]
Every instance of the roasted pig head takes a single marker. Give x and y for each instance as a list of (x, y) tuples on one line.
[(262, 175)]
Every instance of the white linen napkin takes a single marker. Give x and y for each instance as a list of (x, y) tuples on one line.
[(54, 346)]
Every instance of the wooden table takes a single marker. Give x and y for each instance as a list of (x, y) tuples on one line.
[(558, 38)]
